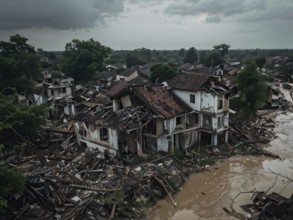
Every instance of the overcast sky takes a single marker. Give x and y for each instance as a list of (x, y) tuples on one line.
[(154, 24)]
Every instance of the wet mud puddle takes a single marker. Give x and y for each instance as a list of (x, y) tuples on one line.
[(204, 195)]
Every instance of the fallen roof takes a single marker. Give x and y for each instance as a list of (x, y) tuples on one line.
[(161, 101), (124, 119), (116, 89)]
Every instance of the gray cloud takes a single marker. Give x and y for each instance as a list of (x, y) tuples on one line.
[(233, 10), (57, 14), (214, 19), (223, 7), (275, 10)]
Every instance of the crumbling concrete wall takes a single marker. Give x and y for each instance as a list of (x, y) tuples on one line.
[(208, 102), (91, 137)]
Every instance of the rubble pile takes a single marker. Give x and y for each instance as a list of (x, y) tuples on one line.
[(77, 184), (270, 206), (265, 207), (259, 131)]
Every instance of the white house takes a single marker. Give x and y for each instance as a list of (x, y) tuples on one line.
[(209, 99), (61, 88)]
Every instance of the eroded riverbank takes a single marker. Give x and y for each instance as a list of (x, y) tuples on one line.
[(205, 194)]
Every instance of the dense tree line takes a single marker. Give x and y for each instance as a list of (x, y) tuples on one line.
[(19, 69)]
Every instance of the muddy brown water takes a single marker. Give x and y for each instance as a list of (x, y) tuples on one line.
[(204, 195)]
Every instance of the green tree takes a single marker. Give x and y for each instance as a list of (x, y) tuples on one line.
[(133, 59), (190, 56), (81, 59), (222, 48), (260, 62), (214, 58), (17, 124), (52, 56), (11, 181), (181, 52), (252, 91), (139, 57), (26, 120), (162, 72), (19, 64)]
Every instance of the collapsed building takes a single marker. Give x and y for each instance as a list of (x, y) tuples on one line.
[(192, 111), (209, 99)]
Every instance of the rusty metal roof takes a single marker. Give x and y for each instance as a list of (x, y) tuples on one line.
[(161, 101)]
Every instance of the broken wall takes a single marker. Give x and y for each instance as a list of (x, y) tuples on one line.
[(90, 135), (208, 102), (163, 144), (70, 109), (126, 102)]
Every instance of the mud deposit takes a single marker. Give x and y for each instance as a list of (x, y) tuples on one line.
[(204, 195)]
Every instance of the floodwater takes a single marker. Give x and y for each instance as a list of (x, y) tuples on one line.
[(204, 195)]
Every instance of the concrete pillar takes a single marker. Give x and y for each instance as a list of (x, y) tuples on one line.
[(199, 138), (172, 150), (214, 140), (226, 137)]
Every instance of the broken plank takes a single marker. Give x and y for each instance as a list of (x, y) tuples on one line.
[(239, 130), (93, 189), (113, 211), (169, 195)]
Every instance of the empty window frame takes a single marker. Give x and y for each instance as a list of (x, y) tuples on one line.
[(192, 98), (104, 134), (207, 121), (220, 121), (220, 102)]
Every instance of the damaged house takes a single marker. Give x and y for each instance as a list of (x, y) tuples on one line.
[(142, 119), (61, 88), (210, 100), (171, 124), (156, 118)]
